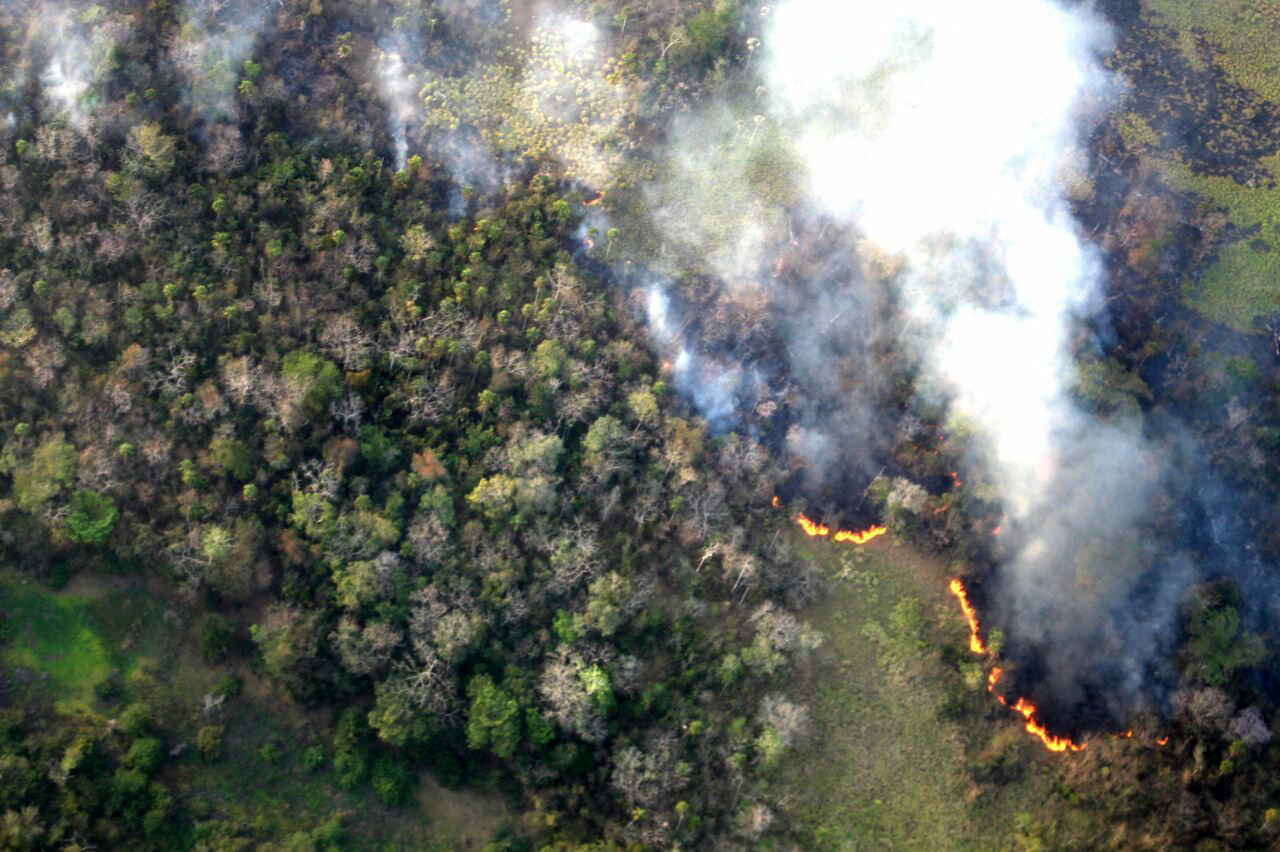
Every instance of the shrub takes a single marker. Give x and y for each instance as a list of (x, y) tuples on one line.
[(145, 755), (90, 518), (209, 741), (136, 719), (215, 637), (392, 779)]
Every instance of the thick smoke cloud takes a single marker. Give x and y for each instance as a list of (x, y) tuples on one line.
[(895, 187), (949, 136), (942, 134), (901, 183)]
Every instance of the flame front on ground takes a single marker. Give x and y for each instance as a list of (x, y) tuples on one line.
[(1022, 705), (817, 530), (976, 645), (860, 537), (1028, 711)]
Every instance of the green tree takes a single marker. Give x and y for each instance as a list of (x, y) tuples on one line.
[(22, 828), (605, 443), (90, 517), (154, 148), (145, 755), (209, 741), (49, 470), (289, 640), (313, 382), (215, 637), (351, 749), (595, 680), (493, 721), (1217, 647), (392, 779), (550, 358), (394, 717), (494, 496), (609, 597), (233, 458), (540, 730), (215, 542)]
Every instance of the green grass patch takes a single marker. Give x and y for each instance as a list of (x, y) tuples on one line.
[(54, 646), (1244, 281), (887, 760), (261, 780), (1244, 32), (1245, 206), (63, 644), (1243, 284)]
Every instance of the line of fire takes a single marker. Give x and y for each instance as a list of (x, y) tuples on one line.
[(1021, 705)]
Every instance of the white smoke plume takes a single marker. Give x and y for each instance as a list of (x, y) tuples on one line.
[(397, 85), (949, 135), (210, 48), (942, 131), (711, 384), (75, 43), (903, 179)]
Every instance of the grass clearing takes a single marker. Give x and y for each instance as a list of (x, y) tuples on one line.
[(1242, 284), (887, 765), (1244, 281), (1243, 31), (62, 644), (461, 819), (262, 781)]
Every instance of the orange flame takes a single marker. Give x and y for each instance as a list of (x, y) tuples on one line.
[(861, 537), (976, 645), (812, 529), (1022, 705), (817, 530), (593, 202), (1028, 711), (1163, 741), (777, 504)]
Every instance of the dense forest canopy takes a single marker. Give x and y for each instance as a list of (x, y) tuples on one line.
[(601, 425)]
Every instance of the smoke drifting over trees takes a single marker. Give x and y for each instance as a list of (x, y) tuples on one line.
[(918, 135), (481, 354), (209, 51), (870, 228), (891, 193)]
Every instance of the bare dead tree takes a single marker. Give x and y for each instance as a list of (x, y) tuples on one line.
[(316, 477), (427, 401), (346, 342), (348, 411), (145, 210), (427, 682), (175, 375)]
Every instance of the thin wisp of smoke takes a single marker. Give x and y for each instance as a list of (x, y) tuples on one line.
[(209, 51), (73, 45)]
